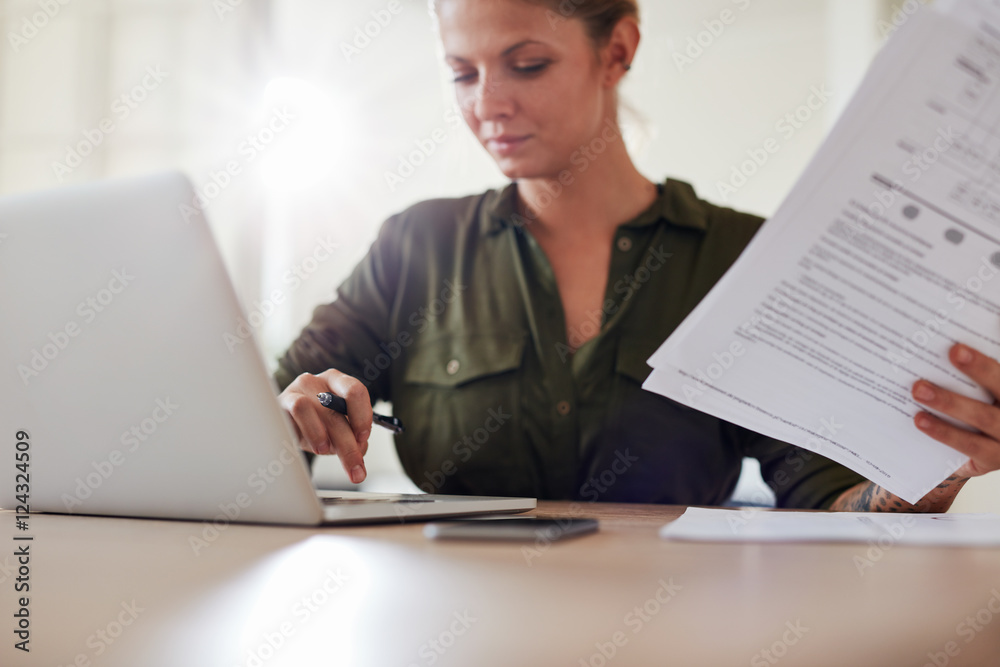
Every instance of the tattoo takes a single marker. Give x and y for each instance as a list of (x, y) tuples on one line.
[(870, 497)]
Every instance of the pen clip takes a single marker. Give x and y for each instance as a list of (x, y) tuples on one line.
[(390, 423)]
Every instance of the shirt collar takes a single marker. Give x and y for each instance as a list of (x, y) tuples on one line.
[(677, 205)]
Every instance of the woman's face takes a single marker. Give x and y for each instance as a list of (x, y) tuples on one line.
[(527, 81)]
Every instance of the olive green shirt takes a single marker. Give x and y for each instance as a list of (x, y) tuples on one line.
[(454, 316)]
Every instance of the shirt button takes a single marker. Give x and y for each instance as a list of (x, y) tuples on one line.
[(563, 408), (453, 367), (624, 244)]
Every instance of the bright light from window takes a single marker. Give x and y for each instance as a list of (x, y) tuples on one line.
[(305, 605), (312, 135)]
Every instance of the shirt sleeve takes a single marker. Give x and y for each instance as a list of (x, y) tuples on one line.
[(346, 334), (800, 479)]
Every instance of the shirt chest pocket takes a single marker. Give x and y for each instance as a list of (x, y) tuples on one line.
[(454, 360), (460, 401)]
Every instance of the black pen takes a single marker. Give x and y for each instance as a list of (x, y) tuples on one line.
[(337, 404)]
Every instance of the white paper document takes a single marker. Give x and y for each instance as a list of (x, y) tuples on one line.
[(886, 253), (723, 525)]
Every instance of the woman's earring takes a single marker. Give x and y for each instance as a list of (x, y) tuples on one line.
[(627, 66)]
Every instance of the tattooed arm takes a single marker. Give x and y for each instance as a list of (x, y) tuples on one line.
[(981, 446), (870, 497)]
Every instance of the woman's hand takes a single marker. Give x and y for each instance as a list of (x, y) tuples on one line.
[(323, 431), (983, 448)]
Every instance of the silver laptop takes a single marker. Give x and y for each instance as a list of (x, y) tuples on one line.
[(121, 392)]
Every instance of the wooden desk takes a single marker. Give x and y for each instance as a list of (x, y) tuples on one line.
[(385, 596)]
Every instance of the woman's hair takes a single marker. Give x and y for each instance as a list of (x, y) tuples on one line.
[(599, 16)]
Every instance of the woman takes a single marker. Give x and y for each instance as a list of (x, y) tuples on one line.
[(510, 329)]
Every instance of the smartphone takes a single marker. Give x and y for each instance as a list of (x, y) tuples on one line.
[(517, 529)]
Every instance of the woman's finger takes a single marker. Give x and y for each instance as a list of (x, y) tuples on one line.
[(967, 410), (359, 404), (983, 452), (984, 370), (345, 446), (312, 428)]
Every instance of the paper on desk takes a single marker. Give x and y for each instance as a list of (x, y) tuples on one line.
[(723, 525), (886, 252)]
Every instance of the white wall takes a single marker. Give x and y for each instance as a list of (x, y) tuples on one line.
[(324, 177)]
